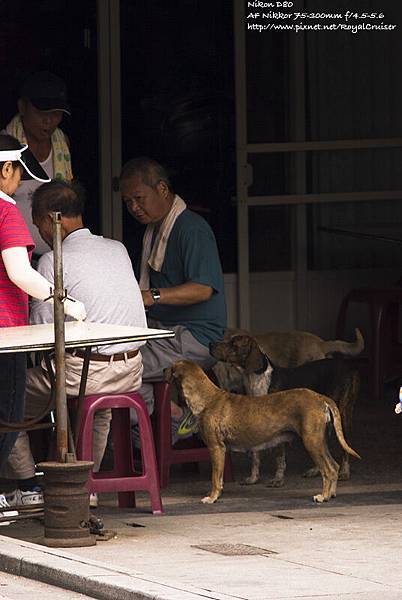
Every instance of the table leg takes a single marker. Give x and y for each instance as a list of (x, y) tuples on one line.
[(52, 378), (81, 393)]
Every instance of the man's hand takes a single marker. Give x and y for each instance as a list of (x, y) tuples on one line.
[(74, 308)]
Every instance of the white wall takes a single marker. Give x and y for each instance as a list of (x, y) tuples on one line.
[(272, 299)]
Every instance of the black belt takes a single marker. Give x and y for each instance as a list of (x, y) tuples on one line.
[(105, 357)]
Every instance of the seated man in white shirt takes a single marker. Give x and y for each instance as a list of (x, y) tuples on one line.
[(98, 272)]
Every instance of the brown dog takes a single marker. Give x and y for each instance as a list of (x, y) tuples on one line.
[(332, 377), (254, 423), (285, 349), (294, 348)]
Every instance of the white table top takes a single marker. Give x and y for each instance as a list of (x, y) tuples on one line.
[(78, 334)]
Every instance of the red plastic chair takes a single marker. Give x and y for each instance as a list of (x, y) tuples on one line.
[(167, 454), (384, 351), (122, 479)]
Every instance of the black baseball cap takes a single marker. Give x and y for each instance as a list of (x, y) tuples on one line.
[(46, 92)]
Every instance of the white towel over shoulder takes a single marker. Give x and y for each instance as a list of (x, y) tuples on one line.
[(154, 257)]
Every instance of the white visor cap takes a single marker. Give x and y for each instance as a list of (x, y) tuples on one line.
[(32, 168)]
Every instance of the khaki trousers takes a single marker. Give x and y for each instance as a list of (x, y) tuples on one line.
[(103, 378)]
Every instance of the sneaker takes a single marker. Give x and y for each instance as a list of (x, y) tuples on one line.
[(5, 514), (25, 499), (6, 517), (93, 500), (3, 501), (184, 427)]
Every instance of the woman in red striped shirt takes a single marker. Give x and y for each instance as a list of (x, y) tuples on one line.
[(18, 280)]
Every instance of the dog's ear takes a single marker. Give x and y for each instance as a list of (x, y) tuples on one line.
[(255, 360), (195, 398), (190, 381)]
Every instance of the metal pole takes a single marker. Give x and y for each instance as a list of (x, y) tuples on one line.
[(298, 178), (60, 365), (242, 175), (66, 496), (109, 125)]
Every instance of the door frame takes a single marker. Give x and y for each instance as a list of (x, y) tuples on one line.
[(297, 148), (109, 119)]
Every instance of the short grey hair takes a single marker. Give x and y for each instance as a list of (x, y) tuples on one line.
[(150, 171)]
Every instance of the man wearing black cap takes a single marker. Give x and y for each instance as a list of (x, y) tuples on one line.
[(41, 106)]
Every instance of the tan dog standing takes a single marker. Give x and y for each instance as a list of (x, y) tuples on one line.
[(254, 423), (332, 377)]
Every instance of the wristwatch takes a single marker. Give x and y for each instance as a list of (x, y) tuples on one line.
[(156, 295)]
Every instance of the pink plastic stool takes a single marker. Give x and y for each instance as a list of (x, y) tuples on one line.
[(122, 479), (384, 350), (166, 453)]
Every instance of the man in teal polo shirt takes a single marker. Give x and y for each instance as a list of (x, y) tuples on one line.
[(181, 279)]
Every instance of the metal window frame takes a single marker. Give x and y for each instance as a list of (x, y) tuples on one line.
[(109, 120), (243, 275), (299, 147)]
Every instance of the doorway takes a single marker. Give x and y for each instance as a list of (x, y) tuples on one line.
[(58, 36)]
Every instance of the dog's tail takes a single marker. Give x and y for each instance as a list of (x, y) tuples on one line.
[(347, 348), (336, 418)]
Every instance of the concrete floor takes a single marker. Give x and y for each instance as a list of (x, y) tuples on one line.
[(256, 543), (17, 588)]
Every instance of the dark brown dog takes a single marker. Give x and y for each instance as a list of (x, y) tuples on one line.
[(253, 423), (332, 377)]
